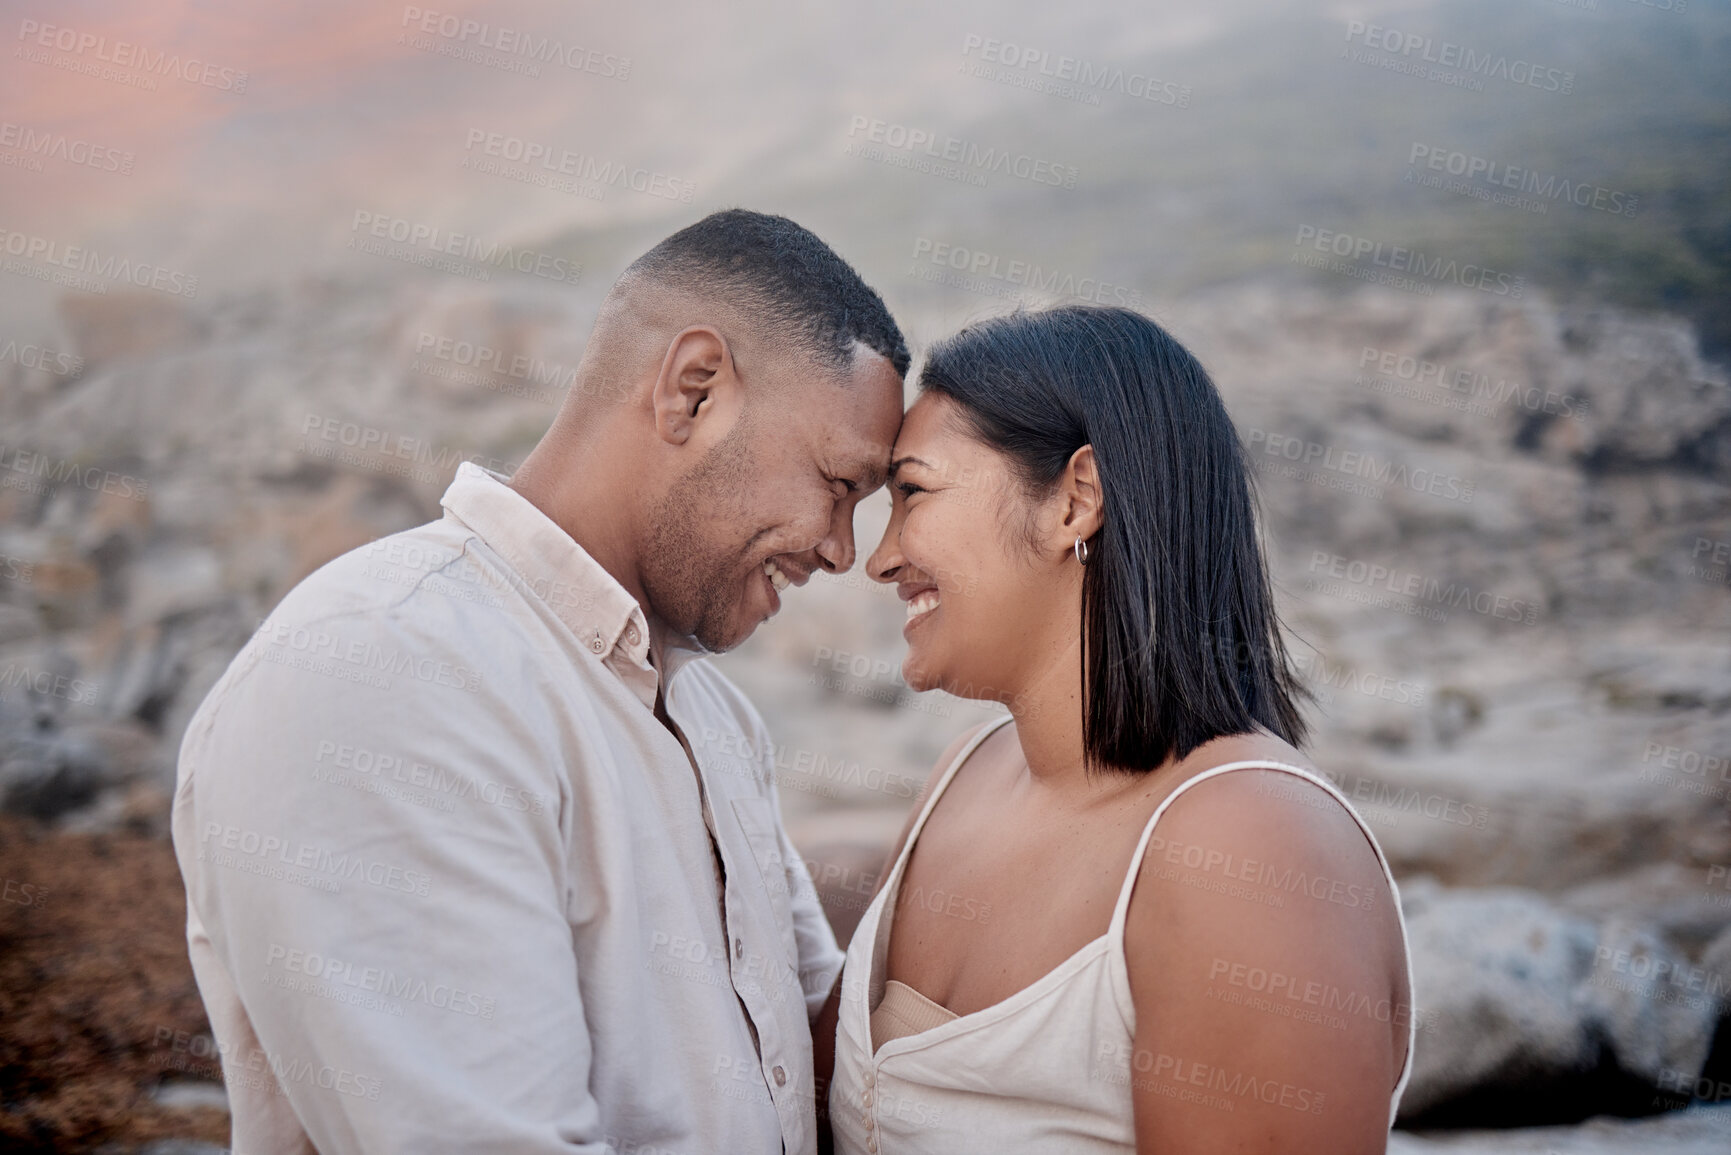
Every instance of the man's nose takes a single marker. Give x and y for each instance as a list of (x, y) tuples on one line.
[(836, 551)]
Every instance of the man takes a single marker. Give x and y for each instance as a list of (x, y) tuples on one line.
[(480, 853)]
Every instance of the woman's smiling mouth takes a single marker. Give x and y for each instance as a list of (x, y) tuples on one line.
[(921, 601)]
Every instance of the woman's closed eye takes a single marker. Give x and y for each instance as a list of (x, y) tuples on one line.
[(908, 489)]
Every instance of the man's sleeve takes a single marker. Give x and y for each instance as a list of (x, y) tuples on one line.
[(382, 872)]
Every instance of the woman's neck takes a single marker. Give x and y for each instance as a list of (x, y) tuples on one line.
[(1050, 726), (1047, 706)]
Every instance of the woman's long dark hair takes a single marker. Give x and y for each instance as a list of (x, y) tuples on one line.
[(1180, 640)]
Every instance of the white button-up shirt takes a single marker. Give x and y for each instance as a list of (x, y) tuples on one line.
[(451, 886)]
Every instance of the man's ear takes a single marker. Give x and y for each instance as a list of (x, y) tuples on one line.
[(1084, 503), (698, 367)]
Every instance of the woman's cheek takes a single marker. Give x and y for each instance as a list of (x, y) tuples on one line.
[(920, 544)]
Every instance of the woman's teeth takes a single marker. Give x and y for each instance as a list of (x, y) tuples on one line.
[(920, 603), (776, 578)]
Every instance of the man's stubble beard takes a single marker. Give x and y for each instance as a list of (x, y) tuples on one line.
[(690, 572)]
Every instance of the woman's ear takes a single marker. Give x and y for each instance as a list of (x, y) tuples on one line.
[(698, 366), (1084, 503)]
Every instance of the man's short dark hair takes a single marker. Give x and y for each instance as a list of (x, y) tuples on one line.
[(773, 269)]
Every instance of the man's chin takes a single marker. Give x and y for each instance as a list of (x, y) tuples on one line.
[(722, 637), (719, 633)]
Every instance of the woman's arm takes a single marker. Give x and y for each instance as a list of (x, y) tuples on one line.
[(1268, 976)]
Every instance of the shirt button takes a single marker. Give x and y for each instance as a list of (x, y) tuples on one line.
[(780, 1074), (869, 1124), (865, 1096), (631, 635), (872, 1144), (738, 948), (598, 645)]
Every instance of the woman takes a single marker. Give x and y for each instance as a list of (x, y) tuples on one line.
[(1129, 915)]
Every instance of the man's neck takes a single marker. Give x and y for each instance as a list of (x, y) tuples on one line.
[(581, 503)]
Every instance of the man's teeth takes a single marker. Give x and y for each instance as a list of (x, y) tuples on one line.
[(920, 603), (776, 578)]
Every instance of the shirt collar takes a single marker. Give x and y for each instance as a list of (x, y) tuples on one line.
[(552, 567)]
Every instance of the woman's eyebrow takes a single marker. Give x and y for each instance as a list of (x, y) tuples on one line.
[(901, 461)]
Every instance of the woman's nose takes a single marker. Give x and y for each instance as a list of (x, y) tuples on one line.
[(886, 560)]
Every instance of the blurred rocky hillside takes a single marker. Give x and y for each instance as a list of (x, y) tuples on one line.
[(1515, 611)]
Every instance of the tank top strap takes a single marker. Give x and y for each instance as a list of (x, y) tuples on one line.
[(878, 915), (1121, 911), (941, 784), (1115, 933)]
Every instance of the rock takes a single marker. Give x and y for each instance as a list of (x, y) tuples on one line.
[(1701, 1130), (18, 623), (1717, 958), (68, 591), (1654, 1007), (1715, 967), (1493, 975), (151, 665), (1517, 994), (120, 325), (1685, 905), (191, 1094), (491, 348), (51, 768), (45, 776), (172, 579)]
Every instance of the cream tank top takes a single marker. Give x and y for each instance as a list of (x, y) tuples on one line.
[(1045, 1070)]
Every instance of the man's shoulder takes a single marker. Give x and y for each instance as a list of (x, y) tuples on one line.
[(421, 605), (435, 585), (385, 571)]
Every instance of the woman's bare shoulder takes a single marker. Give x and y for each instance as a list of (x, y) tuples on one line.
[(1259, 859)]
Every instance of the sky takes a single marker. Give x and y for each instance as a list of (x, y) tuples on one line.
[(286, 118)]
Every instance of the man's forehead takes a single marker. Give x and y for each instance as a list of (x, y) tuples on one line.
[(863, 426), (860, 452)]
